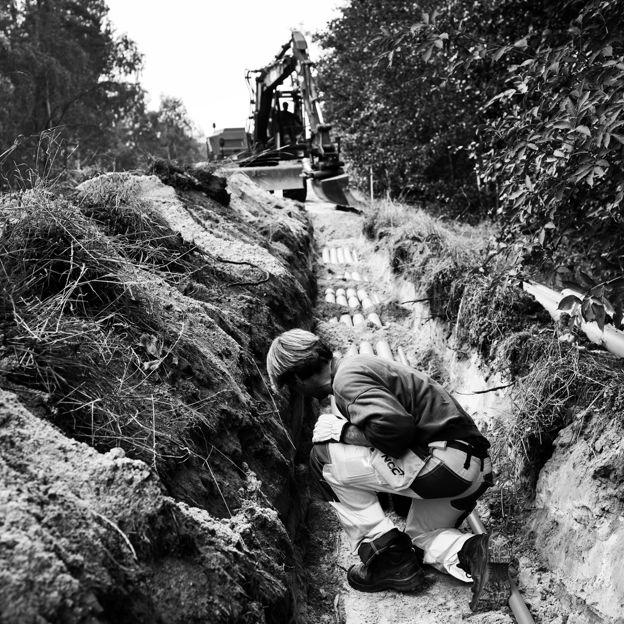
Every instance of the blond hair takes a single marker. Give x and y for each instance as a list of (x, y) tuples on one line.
[(295, 352)]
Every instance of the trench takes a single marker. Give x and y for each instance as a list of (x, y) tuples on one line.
[(362, 308)]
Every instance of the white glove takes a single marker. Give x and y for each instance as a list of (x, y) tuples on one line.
[(328, 427)]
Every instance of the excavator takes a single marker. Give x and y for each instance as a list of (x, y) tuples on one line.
[(291, 147)]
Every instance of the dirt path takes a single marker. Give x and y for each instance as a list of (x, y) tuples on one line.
[(345, 251)]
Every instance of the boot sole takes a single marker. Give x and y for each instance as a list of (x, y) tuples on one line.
[(413, 583)]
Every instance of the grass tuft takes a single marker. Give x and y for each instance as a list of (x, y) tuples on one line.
[(439, 257), (556, 383)]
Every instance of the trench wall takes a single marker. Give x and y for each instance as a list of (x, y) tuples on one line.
[(576, 524), (162, 483)]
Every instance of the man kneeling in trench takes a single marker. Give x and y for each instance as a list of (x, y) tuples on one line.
[(401, 433)]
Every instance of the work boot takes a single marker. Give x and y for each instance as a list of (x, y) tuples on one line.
[(474, 558), (389, 562), (490, 582)]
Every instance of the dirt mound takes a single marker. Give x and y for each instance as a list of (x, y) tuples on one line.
[(135, 318), (92, 537)]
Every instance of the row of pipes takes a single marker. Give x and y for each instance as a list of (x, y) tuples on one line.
[(340, 255), (354, 299)]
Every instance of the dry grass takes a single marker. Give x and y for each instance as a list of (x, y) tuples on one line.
[(438, 257), (556, 385), (84, 321), (494, 307)]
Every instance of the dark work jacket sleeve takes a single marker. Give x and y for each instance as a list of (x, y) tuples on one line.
[(385, 422)]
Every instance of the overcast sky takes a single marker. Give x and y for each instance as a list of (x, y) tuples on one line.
[(199, 50)]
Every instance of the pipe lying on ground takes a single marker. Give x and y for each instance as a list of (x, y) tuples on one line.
[(366, 348), (383, 350), (333, 259), (348, 256), (373, 317), (340, 255), (358, 320), (346, 320), (611, 338), (325, 254), (330, 298)]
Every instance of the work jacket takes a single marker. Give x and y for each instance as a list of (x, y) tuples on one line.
[(397, 407)]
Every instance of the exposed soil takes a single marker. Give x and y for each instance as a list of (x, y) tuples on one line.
[(135, 321)]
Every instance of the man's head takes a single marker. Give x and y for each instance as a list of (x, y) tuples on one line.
[(285, 106), (300, 360)]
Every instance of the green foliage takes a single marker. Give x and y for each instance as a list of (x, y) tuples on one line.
[(522, 98), (71, 97)]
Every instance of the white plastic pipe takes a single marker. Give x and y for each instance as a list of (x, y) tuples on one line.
[(366, 348), (342, 300), (366, 304), (341, 291), (354, 302), (612, 339), (325, 253), (358, 320), (351, 292), (373, 317), (333, 258), (330, 298), (340, 255), (383, 350), (346, 320), (348, 256)]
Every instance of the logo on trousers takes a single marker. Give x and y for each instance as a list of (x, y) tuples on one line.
[(394, 469)]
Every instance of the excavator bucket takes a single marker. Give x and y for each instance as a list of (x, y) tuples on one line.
[(335, 190)]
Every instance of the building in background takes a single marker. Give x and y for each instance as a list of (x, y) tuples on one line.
[(225, 143)]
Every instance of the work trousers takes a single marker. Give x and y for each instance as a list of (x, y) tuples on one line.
[(443, 485)]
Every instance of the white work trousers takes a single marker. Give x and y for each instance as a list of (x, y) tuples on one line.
[(357, 473)]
